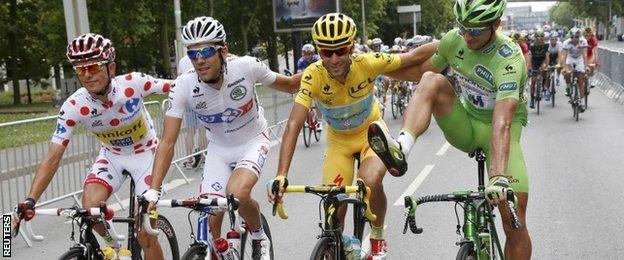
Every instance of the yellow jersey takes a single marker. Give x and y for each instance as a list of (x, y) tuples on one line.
[(347, 108)]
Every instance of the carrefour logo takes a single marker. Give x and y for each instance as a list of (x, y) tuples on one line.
[(484, 73)]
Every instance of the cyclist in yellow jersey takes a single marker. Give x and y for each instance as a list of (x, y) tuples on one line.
[(342, 86)]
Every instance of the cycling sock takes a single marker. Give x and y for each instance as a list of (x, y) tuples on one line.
[(258, 234), (377, 232), (406, 139)]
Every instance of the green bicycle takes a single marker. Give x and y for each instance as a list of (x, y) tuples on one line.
[(480, 239)]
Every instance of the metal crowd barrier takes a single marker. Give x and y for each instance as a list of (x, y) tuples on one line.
[(18, 164), (610, 76)]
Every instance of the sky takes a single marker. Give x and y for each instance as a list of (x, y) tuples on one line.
[(535, 6)]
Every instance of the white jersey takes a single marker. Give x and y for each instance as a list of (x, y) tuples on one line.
[(232, 114), (122, 124), (575, 51), (554, 49)]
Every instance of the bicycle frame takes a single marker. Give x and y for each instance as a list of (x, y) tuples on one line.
[(479, 228)]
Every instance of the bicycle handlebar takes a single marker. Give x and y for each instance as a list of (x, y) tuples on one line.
[(411, 205), (360, 188), (73, 213), (229, 204)]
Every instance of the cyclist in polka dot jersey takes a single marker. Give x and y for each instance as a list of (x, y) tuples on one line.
[(112, 109)]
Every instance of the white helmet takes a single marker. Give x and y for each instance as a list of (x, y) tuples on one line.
[(398, 41), (377, 41), (203, 29), (307, 47)]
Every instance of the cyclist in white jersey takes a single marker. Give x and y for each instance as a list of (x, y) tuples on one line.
[(221, 91), (575, 54), (112, 109)]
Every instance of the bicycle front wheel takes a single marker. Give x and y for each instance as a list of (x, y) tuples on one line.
[(167, 240), (74, 254), (466, 252), (196, 252), (325, 248), (307, 133), (394, 104), (246, 246)]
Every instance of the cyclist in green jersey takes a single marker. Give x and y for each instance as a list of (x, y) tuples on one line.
[(473, 87)]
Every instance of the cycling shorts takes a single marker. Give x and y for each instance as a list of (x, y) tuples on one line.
[(338, 161), (221, 161), (110, 170), (467, 134), (580, 65)]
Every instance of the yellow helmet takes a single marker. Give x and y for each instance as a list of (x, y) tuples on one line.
[(333, 31)]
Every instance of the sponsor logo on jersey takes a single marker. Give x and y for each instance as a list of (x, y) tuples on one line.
[(238, 93), (508, 86), (131, 106), (509, 70), (60, 129), (228, 115), (94, 113), (306, 92), (201, 105), (235, 82), (489, 49), (327, 90), (196, 92), (97, 123), (460, 54), (358, 91), (125, 135), (216, 186), (505, 51), (484, 73)]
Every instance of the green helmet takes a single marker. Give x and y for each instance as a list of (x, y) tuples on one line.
[(479, 11)]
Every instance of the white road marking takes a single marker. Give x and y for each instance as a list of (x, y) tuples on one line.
[(412, 187), (443, 148)]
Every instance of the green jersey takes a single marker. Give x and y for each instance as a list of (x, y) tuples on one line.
[(482, 77)]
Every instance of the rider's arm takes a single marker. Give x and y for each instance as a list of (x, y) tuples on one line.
[(46, 170), (415, 63), (289, 139), (288, 84), (261, 73), (165, 150), (171, 129), (504, 112), (563, 55)]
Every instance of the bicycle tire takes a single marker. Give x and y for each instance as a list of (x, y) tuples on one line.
[(325, 247), (196, 252), (74, 253), (246, 248), (466, 252), (576, 102), (317, 133), (166, 238), (393, 102), (306, 134), (552, 90), (538, 95)]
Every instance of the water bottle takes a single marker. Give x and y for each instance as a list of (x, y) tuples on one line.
[(233, 238), (221, 245), (124, 254), (109, 253), (357, 248), (348, 248)]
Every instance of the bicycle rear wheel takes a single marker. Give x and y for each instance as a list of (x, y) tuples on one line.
[(306, 131), (466, 252), (246, 247), (326, 248), (317, 124)]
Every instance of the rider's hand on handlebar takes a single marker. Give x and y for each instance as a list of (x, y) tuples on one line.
[(275, 188), (496, 190), (152, 196), (25, 210)]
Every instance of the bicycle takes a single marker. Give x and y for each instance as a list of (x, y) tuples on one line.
[(397, 99), (536, 76), (311, 125), (552, 83), (480, 239), (204, 242), (87, 247), (575, 99), (330, 244), (379, 95)]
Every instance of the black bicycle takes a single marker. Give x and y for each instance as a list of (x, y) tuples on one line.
[(87, 246), (204, 246), (480, 239), (330, 244), (575, 99)]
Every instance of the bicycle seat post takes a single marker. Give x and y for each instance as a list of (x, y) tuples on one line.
[(480, 158)]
